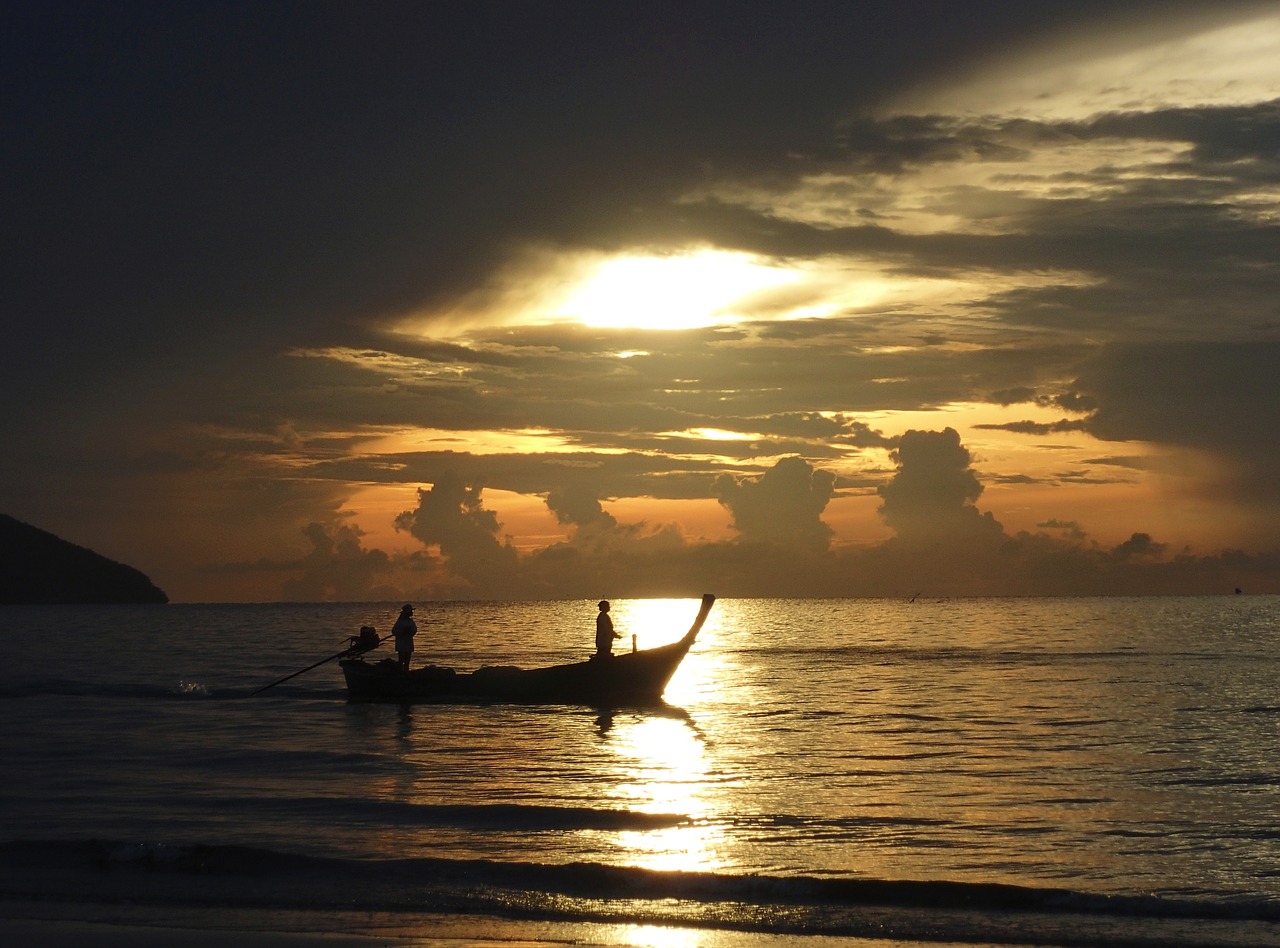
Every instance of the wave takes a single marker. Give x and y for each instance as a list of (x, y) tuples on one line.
[(180, 690), (215, 876), (482, 817), (70, 688)]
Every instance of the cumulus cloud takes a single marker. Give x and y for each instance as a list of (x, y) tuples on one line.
[(943, 545), (580, 508), (931, 498), (339, 568), (782, 506), (451, 516), (1139, 546)]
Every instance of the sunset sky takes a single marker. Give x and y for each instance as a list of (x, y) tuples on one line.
[(462, 300)]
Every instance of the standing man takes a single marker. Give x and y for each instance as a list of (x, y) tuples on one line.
[(404, 630), (604, 632)]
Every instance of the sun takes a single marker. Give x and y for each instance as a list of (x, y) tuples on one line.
[(683, 291)]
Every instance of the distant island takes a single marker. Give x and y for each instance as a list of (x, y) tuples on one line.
[(37, 568)]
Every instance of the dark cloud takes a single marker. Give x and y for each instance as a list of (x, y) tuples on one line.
[(1037, 427), (317, 162), (1167, 240), (1220, 135), (1132, 462), (1068, 528), (1219, 397), (578, 476)]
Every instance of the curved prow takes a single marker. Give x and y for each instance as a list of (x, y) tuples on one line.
[(707, 601)]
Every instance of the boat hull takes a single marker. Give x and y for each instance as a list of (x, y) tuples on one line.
[(628, 679)]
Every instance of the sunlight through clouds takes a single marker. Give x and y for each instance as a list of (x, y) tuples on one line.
[(711, 434), (710, 288), (1195, 63), (475, 441), (680, 291)]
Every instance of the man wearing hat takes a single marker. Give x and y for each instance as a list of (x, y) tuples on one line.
[(404, 630)]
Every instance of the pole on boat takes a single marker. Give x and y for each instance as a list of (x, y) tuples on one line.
[(352, 649)]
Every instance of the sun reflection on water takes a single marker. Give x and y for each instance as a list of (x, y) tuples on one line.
[(658, 936), (664, 762), (665, 770)]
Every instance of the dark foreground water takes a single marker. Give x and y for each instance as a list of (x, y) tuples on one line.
[(1052, 772)]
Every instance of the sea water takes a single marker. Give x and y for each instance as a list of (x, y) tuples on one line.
[(1031, 771)]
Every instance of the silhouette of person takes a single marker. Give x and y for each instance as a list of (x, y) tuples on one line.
[(404, 630), (604, 632)]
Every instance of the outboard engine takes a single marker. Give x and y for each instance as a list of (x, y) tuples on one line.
[(366, 640)]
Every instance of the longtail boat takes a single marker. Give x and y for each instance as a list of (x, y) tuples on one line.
[(624, 680)]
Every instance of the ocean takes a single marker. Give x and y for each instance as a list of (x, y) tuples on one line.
[(974, 771)]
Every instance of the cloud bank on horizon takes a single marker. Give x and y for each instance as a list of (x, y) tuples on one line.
[(320, 302)]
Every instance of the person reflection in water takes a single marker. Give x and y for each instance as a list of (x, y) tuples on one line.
[(604, 632), (404, 630)]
